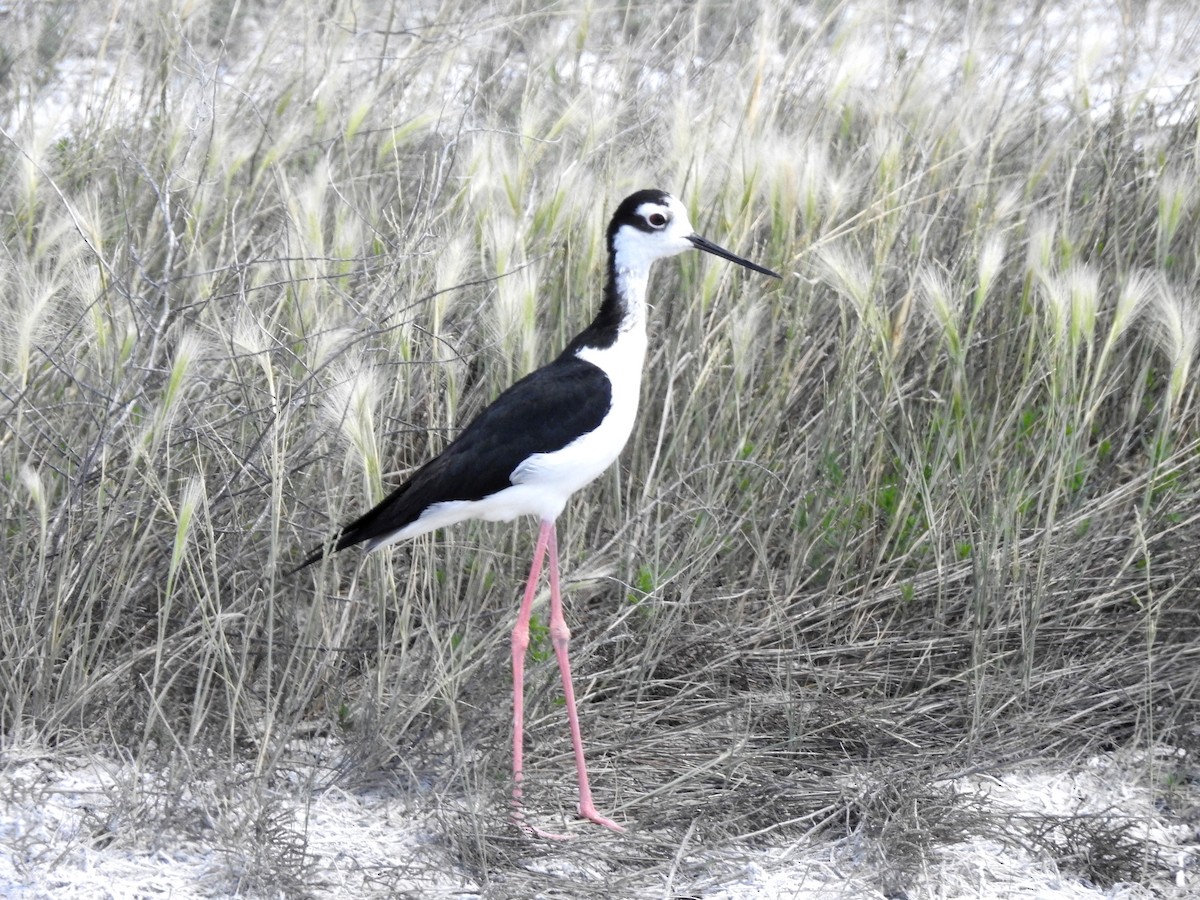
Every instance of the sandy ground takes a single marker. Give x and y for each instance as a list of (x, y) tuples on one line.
[(75, 828)]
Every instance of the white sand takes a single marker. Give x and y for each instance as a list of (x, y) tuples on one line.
[(71, 828)]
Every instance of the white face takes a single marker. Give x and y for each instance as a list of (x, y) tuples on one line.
[(665, 231), (670, 223)]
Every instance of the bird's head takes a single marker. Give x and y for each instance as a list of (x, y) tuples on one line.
[(650, 225)]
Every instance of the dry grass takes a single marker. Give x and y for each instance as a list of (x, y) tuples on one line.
[(925, 508)]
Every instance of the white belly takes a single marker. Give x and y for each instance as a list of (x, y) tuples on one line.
[(559, 474)]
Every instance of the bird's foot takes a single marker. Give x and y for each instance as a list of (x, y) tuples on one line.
[(518, 820), (589, 812)]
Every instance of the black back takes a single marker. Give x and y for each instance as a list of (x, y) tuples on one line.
[(541, 413)]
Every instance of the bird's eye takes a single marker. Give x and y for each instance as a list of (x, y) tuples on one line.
[(658, 220)]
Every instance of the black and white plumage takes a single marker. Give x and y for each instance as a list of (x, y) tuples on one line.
[(548, 435)]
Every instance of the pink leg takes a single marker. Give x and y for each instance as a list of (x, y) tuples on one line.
[(520, 643), (560, 636)]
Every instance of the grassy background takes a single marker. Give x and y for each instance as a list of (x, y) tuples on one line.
[(928, 506)]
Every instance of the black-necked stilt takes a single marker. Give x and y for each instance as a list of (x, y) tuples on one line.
[(544, 438)]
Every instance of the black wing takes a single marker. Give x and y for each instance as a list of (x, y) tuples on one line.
[(544, 411)]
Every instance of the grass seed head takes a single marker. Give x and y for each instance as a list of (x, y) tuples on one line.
[(850, 275), (188, 349), (1083, 285), (1139, 287), (941, 304), (353, 397), (190, 502), (515, 316), (31, 480), (991, 260), (1175, 325), (1176, 198), (1042, 232)]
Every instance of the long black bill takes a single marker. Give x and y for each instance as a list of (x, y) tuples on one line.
[(708, 246)]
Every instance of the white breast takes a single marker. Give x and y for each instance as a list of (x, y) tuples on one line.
[(580, 462)]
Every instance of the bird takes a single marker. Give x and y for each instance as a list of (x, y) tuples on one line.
[(547, 436)]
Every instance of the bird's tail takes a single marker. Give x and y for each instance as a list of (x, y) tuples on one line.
[(315, 555)]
